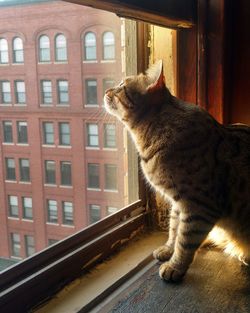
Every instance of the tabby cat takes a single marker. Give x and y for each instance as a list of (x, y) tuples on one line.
[(202, 167)]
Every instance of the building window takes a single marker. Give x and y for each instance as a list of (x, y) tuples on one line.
[(13, 206), (68, 218), (92, 135), (64, 134), (93, 176), (107, 83), (109, 135), (46, 91), (22, 132), (90, 46), (48, 133), (18, 56), (52, 213), (94, 213), (50, 172), (5, 92), (91, 91), (44, 49), (4, 56), (29, 245), (61, 48), (10, 169), (111, 210), (66, 173), (108, 46), (20, 92), (110, 177), (7, 132), (63, 91), (27, 208), (24, 166), (15, 245)]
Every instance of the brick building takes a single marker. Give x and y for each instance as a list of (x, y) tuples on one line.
[(59, 164)]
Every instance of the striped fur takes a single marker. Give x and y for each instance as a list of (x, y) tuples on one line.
[(202, 167)]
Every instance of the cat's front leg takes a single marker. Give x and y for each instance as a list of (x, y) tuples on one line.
[(164, 253), (192, 231)]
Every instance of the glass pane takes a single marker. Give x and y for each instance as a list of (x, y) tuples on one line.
[(80, 163)]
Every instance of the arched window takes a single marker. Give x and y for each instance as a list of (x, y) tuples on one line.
[(108, 46), (4, 56), (44, 49), (90, 46), (18, 50), (61, 48)]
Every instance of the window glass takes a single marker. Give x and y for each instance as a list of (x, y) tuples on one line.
[(22, 132), (15, 245), (4, 56), (18, 50), (61, 48), (20, 92), (66, 174), (63, 92), (46, 91), (109, 135), (24, 167), (93, 176), (27, 208), (13, 206), (92, 132), (64, 134), (110, 177), (52, 213), (68, 218), (44, 49), (90, 46), (91, 92), (29, 245), (48, 133), (7, 132), (111, 210), (94, 213), (50, 172), (108, 46), (5, 92), (10, 169)]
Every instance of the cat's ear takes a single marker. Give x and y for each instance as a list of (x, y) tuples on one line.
[(156, 77)]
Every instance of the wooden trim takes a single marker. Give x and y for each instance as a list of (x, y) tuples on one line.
[(168, 13), (22, 295), (26, 267)]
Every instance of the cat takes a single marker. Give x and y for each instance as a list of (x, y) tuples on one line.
[(201, 166)]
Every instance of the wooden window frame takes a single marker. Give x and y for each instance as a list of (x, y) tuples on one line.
[(26, 284)]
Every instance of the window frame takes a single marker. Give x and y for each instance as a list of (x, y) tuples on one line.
[(40, 49), (7, 133), (90, 243), (15, 51), (3, 93), (58, 49)]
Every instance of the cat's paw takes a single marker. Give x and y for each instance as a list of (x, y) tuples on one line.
[(163, 253), (171, 274)]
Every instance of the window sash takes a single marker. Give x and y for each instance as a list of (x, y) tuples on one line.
[(63, 91), (15, 244), (93, 176), (92, 135), (24, 168), (20, 92), (4, 54), (27, 208), (68, 213), (66, 174), (29, 245), (50, 172), (22, 132), (10, 169), (64, 134), (7, 132), (46, 91), (91, 92), (13, 206), (52, 211), (109, 136), (5, 92), (94, 213), (110, 177), (48, 133)]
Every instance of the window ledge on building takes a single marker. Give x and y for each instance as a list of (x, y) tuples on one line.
[(49, 62), (22, 144), (20, 104), (4, 64), (110, 149), (108, 61), (8, 143), (61, 62), (46, 105), (91, 106), (64, 147), (50, 185), (62, 105), (6, 105), (65, 186), (111, 190), (13, 218), (94, 189), (92, 148), (53, 224), (21, 63), (48, 146), (27, 220), (89, 61), (25, 182), (11, 181), (69, 226)]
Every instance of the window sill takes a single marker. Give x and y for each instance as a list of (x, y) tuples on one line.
[(89, 61), (68, 226), (92, 148), (93, 106), (13, 218), (23, 144), (108, 61), (18, 64), (111, 190), (20, 104), (65, 186), (6, 105), (8, 143), (48, 146), (62, 105), (27, 220), (46, 105), (85, 290), (61, 62), (64, 147), (93, 189), (11, 181), (50, 185), (25, 182)]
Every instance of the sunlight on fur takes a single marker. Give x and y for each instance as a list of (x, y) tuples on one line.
[(220, 238)]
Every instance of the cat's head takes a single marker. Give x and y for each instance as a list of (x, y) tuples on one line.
[(137, 96)]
